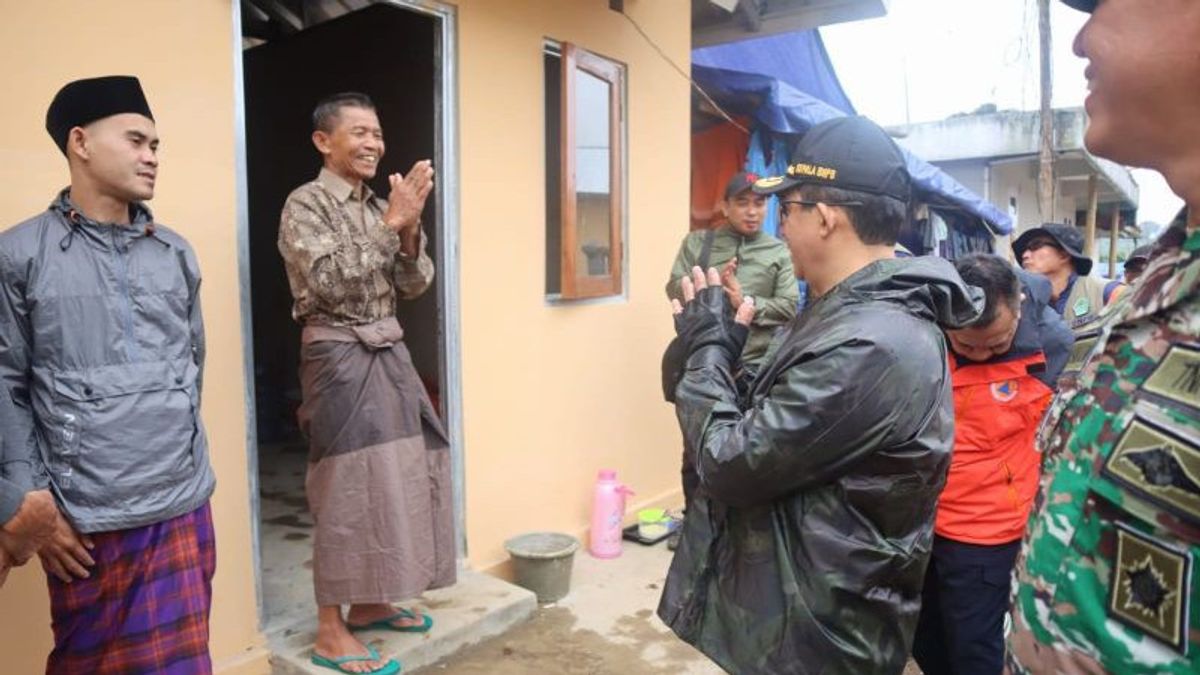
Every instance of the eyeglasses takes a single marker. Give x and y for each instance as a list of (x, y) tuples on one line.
[(783, 204), (1041, 243)]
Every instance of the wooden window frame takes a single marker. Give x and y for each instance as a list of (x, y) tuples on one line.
[(574, 286)]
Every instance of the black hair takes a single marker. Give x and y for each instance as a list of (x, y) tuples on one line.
[(876, 222), (330, 107), (996, 277)]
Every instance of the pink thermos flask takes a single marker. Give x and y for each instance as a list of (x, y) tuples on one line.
[(608, 513)]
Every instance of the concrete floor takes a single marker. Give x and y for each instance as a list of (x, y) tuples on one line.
[(605, 625), (285, 533)]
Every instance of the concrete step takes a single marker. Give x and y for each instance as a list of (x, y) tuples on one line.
[(478, 607)]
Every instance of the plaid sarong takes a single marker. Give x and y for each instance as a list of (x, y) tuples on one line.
[(145, 607)]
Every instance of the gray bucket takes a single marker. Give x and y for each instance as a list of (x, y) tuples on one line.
[(542, 562)]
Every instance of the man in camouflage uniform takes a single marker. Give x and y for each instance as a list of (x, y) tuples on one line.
[(1105, 581)]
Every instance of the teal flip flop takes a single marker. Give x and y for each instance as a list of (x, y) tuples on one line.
[(390, 668), (386, 623)]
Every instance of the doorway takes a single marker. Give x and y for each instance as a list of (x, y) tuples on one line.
[(294, 53)]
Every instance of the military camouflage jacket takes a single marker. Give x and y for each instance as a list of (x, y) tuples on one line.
[(1105, 581), (344, 265)]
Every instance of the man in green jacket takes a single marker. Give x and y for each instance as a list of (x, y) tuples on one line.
[(753, 264)]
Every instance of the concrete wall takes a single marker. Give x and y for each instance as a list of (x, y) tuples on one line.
[(1019, 180), (183, 53)]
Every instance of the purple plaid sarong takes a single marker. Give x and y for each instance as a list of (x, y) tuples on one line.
[(145, 608)]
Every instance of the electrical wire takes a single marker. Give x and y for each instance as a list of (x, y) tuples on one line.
[(685, 75)]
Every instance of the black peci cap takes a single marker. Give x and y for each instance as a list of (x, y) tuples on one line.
[(82, 102), (850, 153)]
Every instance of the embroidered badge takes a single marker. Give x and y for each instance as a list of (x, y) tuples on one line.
[(1004, 391), (1177, 376), (1149, 589), (1081, 306), (1081, 350), (1159, 465), (769, 182)]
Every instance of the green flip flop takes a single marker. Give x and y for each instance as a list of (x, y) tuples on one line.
[(390, 668), (386, 623)]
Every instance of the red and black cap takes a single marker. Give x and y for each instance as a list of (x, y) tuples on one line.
[(739, 183), (849, 153), (82, 102)]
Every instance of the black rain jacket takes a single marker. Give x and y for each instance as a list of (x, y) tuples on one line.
[(805, 548)]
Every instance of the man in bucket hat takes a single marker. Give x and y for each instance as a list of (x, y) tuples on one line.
[(1106, 580), (1056, 252), (806, 544)]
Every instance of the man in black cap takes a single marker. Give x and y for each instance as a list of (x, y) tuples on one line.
[(102, 346), (1056, 252), (806, 544), (753, 264), (1107, 579)]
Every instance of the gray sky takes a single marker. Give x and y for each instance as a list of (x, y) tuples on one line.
[(929, 59)]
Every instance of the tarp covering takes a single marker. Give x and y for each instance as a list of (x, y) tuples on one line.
[(798, 59), (783, 108)]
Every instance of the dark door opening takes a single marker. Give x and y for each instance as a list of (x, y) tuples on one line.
[(390, 54)]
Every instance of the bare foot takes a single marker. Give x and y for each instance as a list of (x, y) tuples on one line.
[(334, 641), (361, 615)]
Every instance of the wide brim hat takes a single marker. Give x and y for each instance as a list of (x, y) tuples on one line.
[(1067, 238)]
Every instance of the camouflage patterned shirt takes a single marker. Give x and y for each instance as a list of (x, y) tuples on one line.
[(1105, 581), (344, 265)]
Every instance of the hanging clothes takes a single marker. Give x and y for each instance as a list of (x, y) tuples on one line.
[(717, 153)]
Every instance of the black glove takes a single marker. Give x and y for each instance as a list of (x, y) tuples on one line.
[(706, 321)]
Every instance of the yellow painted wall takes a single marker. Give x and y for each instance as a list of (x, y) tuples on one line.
[(183, 53), (551, 392)]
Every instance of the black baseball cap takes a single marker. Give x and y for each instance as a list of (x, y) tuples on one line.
[(1068, 239), (739, 183), (849, 153), (1081, 5)]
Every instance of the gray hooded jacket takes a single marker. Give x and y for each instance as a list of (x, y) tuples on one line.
[(102, 347), (804, 550)]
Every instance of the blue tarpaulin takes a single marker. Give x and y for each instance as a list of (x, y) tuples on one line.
[(798, 59), (771, 90)]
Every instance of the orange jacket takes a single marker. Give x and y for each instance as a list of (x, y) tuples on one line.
[(994, 469)]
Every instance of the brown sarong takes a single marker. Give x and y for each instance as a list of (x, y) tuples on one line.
[(378, 483)]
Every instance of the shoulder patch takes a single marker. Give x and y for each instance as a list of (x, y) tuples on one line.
[(1176, 377), (1160, 465), (1150, 587)]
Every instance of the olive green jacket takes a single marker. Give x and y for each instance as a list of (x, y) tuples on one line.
[(764, 271)]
